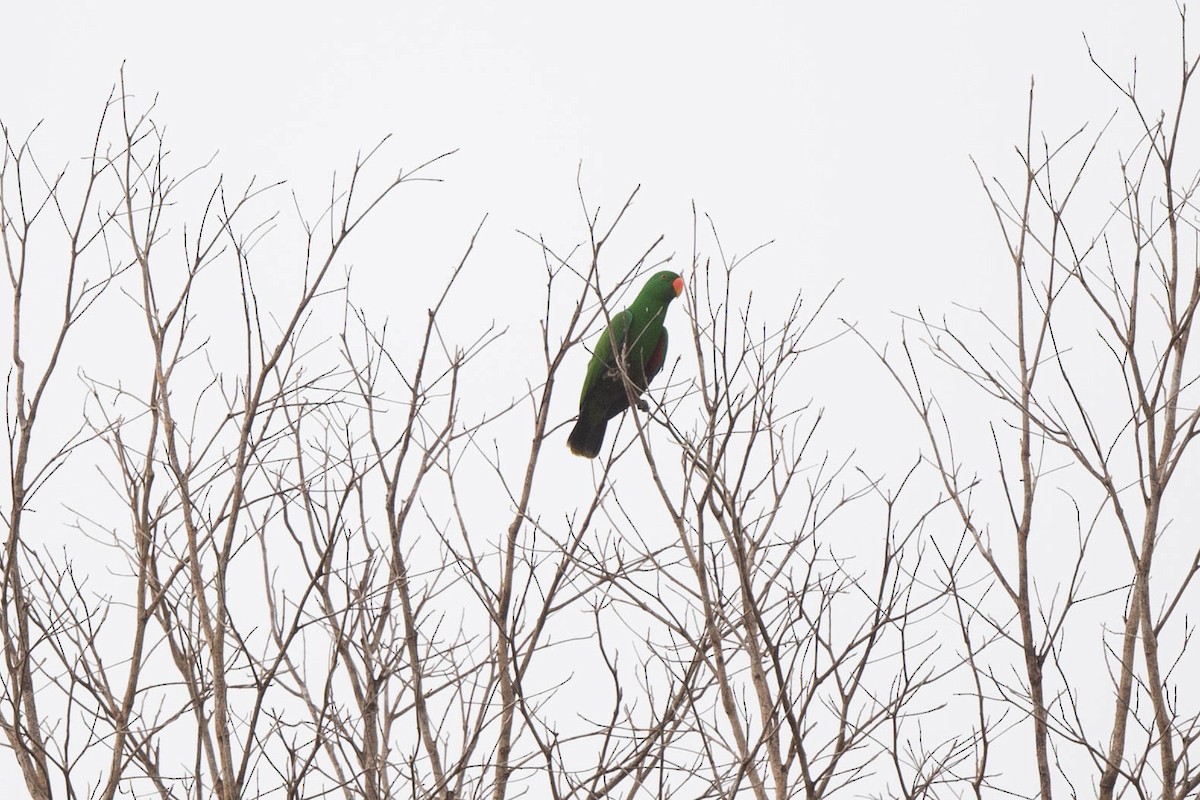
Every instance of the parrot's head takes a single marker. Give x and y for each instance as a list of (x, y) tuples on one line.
[(663, 286)]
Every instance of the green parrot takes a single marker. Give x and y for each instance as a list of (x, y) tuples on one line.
[(638, 335)]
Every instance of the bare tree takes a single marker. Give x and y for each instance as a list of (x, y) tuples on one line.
[(293, 547), (1093, 383), (304, 558)]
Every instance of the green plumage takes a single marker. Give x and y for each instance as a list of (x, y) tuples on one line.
[(638, 335)]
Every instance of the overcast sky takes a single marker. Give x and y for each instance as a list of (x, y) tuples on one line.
[(842, 131)]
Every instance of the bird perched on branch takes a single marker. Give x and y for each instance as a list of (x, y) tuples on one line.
[(637, 336)]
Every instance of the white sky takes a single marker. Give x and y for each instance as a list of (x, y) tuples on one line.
[(841, 130)]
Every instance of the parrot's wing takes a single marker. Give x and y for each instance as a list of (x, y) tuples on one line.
[(604, 355)]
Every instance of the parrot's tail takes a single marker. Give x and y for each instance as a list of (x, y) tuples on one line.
[(586, 438)]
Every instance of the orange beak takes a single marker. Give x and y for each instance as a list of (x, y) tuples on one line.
[(678, 286)]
